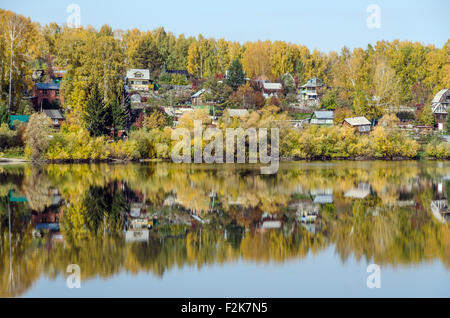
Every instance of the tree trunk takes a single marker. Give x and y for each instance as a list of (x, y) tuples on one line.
[(10, 76)]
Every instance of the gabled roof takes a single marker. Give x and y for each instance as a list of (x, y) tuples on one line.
[(272, 86), (237, 112), (324, 114), (437, 98), (131, 73), (313, 82), (357, 121), (53, 113), (200, 92), (52, 86)]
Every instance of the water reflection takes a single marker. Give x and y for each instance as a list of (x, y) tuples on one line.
[(151, 218)]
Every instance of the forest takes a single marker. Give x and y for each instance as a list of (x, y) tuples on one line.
[(360, 82)]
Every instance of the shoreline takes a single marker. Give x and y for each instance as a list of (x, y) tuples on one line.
[(5, 161)]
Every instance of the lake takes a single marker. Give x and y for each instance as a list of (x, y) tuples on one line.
[(320, 229)]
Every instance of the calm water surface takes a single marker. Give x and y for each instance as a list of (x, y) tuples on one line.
[(167, 230)]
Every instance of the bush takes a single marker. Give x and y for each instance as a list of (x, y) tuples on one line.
[(37, 136), (10, 138)]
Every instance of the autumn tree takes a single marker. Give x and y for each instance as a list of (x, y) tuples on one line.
[(37, 136)]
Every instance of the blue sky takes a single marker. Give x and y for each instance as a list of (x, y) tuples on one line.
[(325, 25)]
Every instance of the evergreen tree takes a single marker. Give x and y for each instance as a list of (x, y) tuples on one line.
[(97, 115), (4, 114), (147, 55), (118, 116), (236, 75), (447, 125)]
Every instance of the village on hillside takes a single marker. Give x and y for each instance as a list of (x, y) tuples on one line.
[(111, 94)]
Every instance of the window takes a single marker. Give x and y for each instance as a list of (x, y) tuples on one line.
[(138, 75), (44, 92), (363, 128)]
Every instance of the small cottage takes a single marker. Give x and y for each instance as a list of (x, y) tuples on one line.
[(360, 124), (439, 106), (322, 117), (138, 79)]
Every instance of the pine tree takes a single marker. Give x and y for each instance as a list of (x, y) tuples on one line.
[(236, 75), (4, 115), (118, 116), (97, 114)]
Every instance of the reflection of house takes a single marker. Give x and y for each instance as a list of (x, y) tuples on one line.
[(362, 191), (322, 117), (138, 79), (137, 230), (439, 106), (359, 124), (269, 222), (440, 210)]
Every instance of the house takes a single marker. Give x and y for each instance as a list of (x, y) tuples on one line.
[(360, 124), (322, 117), (237, 113), (46, 95), (138, 79), (271, 89), (198, 98), (55, 115), (439, 106), (362, 191), (312, 90)]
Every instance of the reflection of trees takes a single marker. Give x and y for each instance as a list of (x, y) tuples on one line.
[(232, 202)]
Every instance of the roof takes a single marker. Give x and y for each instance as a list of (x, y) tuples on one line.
[(237, 112), (358, 121), (357, 193), (132, 71), (437, 98), (323, 198), (53, 113), (324, 114), (54, 86), (200, 92), (22, 118), (313, 82), (272, 86)]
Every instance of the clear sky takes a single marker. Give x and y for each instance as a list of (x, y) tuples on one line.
[(323, 24)]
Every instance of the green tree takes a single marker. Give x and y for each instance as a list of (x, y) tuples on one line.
[(147, 55), (236, 75), (4, 115), (426, 116), (118, 116), (97, 114), (447, 125), (329, 100)]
